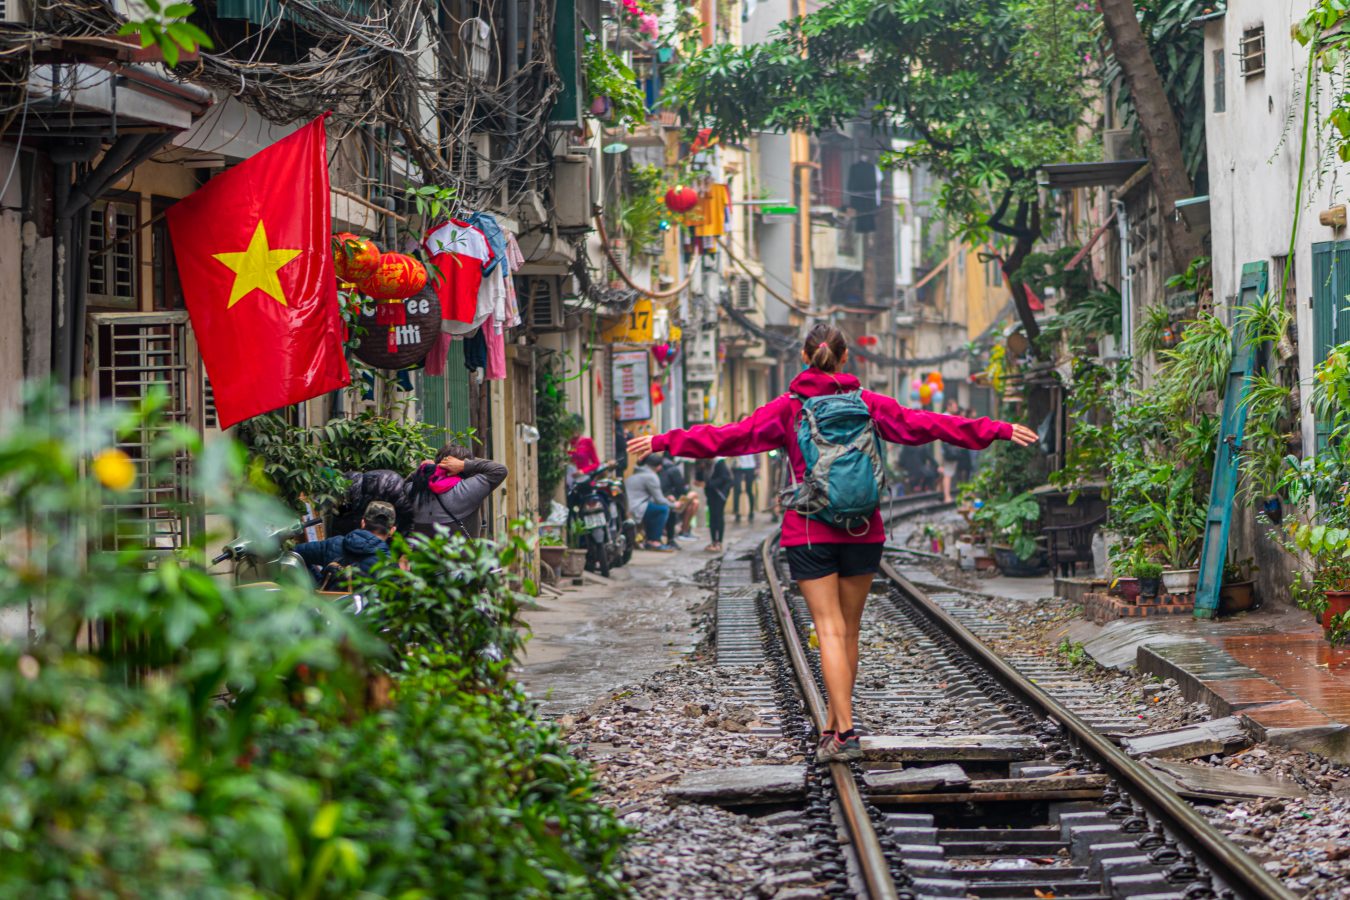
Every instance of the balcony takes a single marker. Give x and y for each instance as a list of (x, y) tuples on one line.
[(835, 248)]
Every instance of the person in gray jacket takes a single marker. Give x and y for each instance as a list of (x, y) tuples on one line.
[(647, 502), (448, 493)]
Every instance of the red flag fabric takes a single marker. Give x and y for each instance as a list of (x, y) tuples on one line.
[(255, 259)]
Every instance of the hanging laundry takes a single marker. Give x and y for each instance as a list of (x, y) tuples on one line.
[(439, 351), (514, 259), (460, 252), (475, 351), (496, 238), (712, 212), (496, 353)]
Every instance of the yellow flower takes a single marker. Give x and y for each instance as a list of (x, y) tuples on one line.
[(114, 469)]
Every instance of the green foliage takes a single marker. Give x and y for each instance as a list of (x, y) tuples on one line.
[(1152, 333), (308, 463), (1338, 630), (166, 26), (1147, 569), (1322, 30), (449, 592), (989, 91), (555, 424), (123, 774), (1073, 652), (641, 209), (1013, 520), (1178, 50), (1095, 315), (607, 75), (1198, 365)]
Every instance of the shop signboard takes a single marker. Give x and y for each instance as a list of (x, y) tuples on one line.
[(635, 327), (631, 379)]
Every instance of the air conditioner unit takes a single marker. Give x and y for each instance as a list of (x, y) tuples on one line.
[(471, 159), (572, 200), (743, 295), (20, 11), (531, 209), (1120, 144), (544, 303)]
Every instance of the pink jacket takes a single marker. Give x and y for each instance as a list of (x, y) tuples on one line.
[(773, 427)]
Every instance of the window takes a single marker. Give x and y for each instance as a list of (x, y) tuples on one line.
[(1253, 51), (1220, 69), (1331, 311), (113, 245), (166, 290)]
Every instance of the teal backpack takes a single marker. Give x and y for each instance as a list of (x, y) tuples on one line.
[(845, 479)]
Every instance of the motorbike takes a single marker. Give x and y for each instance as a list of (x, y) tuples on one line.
[(608, 534), (254, 566)]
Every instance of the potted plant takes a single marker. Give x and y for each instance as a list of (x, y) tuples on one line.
[(1014, 522), (1237, 593), (551, 551), (1149, 574)]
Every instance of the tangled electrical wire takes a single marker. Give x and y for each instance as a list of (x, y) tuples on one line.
[(423, 82)]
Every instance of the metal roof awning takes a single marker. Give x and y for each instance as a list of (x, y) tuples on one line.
[(1064, 176)]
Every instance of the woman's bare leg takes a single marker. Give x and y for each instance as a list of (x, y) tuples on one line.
[(822, 598), (852, 598)]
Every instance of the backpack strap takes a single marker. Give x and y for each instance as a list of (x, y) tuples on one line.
[(453, 518)]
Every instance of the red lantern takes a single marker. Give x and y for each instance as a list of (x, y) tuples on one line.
[(398, 277), (354, 258), (681, 199)]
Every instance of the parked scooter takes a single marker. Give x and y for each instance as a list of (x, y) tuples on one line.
[(606, 539), (253, 566), (618, 500)]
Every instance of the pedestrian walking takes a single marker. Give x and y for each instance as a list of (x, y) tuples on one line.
[(646, 499), (745, 472), (833, 566), (717, 481), (448, 493)]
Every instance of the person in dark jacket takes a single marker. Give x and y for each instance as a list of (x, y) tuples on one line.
[(684, 502), (360, 548), (717, 481), (384, 485), (449, 492)]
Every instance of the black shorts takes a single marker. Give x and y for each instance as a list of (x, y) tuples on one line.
[(845, 560)]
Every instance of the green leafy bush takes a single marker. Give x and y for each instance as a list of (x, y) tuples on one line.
[(247, 742)]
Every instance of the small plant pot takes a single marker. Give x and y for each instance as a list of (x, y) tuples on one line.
[(573, 563), (552, 556), (1181, 581), (1149, 587), (1236, 597), (1014, 567), (1337, 603), (1127, 587)]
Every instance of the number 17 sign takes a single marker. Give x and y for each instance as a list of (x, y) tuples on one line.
[(633, 328)]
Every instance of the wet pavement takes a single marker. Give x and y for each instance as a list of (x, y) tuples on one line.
[(598, 637), (1272, 666)]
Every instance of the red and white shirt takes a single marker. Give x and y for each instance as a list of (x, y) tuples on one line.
[(460, 252)]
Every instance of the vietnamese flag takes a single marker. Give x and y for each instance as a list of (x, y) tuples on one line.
[(255, 259)]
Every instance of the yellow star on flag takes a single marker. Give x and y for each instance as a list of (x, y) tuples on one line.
[(256, 268)]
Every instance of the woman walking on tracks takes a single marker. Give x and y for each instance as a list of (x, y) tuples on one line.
[(832, 529)]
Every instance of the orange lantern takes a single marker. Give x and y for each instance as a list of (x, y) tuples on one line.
[(354, 258), (398, 277), (681, 199)]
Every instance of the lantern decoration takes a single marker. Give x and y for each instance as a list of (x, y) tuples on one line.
[(398, 277), (681, 199), (658, 395), (354, 258), (661, 352)]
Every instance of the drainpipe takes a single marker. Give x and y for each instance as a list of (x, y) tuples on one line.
[(1126, 283)]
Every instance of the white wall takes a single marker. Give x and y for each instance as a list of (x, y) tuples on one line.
[(1254, 160)]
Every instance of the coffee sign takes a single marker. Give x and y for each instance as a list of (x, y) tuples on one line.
[(400, 346)]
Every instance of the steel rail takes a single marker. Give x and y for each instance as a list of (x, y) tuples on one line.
[(1224, 859), (867, 846)]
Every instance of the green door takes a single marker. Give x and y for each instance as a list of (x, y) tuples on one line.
[(1223, 487), (1331, 308), (443, 400)]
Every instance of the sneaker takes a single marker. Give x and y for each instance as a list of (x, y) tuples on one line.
[(670, 547), (653, 545), (686, 536), (831, 749)]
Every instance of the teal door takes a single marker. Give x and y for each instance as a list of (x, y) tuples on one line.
[(1223, 487), (1331, 308)]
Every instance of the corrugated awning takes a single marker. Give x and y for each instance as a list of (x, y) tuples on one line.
[(1064, 176)]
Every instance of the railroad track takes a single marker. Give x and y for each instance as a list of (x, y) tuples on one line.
[(980, 783)]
